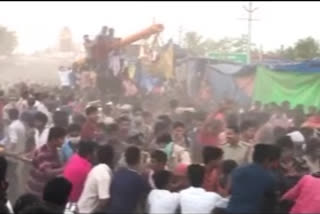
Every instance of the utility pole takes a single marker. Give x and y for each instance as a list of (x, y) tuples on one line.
[(250, 11)]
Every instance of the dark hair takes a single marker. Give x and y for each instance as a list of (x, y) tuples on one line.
[(196, 175), (74, 128), (247, 124), (137, 109), (312, 145), (265, 152), (57, 191), (174, 103), (285, 142), (133, 155), (114, 127), (178, 124), (227, 166), (105, 154), (199, 116), (159, 156), (102, 127), (159, 127), (13, 114), (61, 118), (123, 119), (275, 153), (165, 119), (86, 148), (25, 201), (164, 138), (27, 117), (91, 110), (3, 168), (79, 119), (232, 121), (307, 132), (136, 139), (56, 133), (210, 153), (161, 178), (39, 116), (279, 132), (234, 128)]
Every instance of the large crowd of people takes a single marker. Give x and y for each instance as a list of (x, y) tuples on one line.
[(71, 149), (60, 155)]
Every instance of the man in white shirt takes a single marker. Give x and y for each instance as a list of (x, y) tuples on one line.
[(41, 132), (195, 199), (96, 192), (16, 136), (64, 75), (161, 200), (15, 144)]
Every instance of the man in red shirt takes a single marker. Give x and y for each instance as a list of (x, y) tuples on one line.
[(210, 132), (78, 168), (212, 157), (90, 129)]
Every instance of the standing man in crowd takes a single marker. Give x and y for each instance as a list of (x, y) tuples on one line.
[(128, 187), (46, 162), (71, 143), (78, 167), (16, 145), (234, 149), (90, 128), (88, 45), (96, 193), (41, 129), (253, 187), (195, 199)]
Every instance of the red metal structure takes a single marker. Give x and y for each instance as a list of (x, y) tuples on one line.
[(145, 33)]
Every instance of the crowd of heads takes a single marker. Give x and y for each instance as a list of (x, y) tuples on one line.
[(178, 144)]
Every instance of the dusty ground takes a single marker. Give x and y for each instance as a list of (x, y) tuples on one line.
[(29, 68)]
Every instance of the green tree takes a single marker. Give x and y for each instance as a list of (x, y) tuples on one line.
[(8, 41), (289, 53), (306, 48), (240, 44), (193, 42), (221, 46)]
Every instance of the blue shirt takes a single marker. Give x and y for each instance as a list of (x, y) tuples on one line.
[(252, 187), (66, 151), (127, 189)]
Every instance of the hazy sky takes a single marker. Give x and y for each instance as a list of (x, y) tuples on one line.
[(38, 23)]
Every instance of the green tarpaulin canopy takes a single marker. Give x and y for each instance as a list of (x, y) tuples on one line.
[(279, 86)]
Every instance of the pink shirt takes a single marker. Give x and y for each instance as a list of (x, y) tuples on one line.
[(76, 172), (306, 195)]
